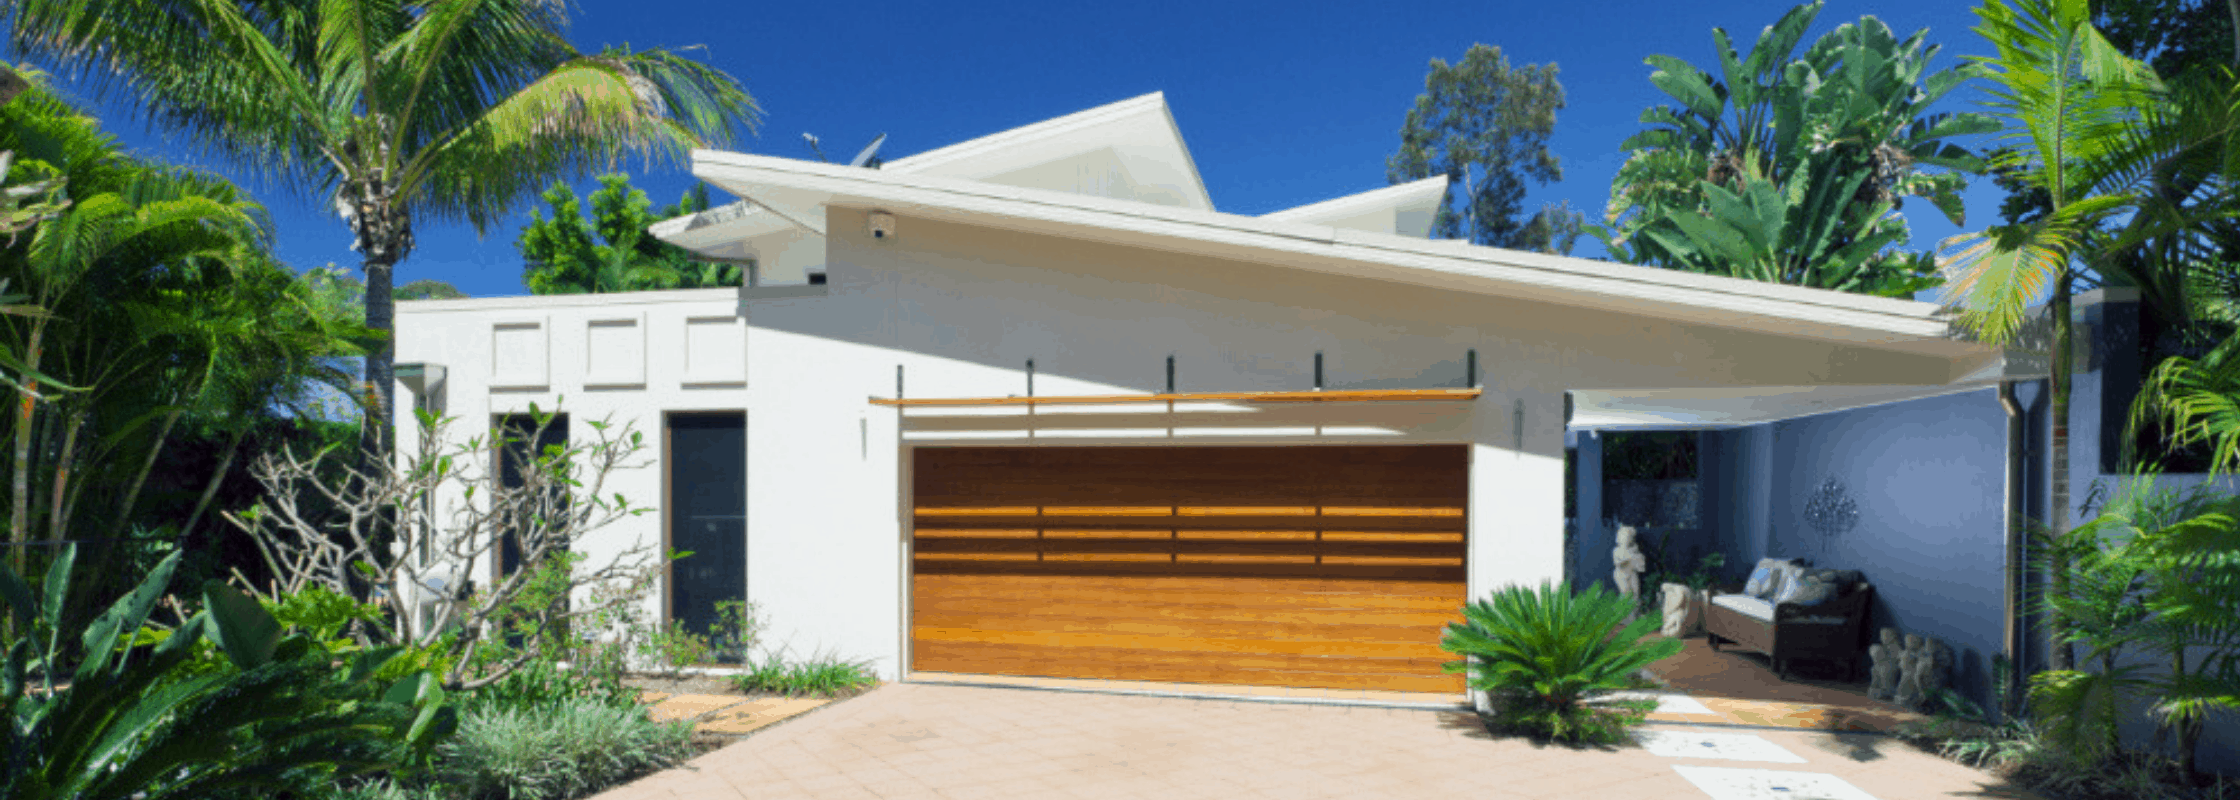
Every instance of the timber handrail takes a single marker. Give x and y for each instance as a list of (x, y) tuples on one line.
[(1341, 396)]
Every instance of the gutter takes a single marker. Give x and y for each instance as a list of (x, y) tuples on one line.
[(2017, 582)]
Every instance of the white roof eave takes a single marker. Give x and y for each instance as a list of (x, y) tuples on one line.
[(1647, 291)]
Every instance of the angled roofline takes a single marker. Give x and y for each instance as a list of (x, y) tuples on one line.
[(1646, 291), (1363, 202), (1058, 126)]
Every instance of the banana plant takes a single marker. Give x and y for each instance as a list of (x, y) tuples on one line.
[(133, 721)]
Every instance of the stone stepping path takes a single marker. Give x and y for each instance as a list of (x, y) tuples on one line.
[(727, 714), (1729, 783), (1723, 746), (1724, 783)]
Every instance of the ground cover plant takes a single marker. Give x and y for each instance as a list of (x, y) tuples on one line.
[(819, 676), (1548, 656)]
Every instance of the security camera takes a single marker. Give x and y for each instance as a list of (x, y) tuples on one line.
[(882, 225)]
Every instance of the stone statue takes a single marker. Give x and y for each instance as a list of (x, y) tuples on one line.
[(1922, 671), (1676, 608), (1884, 672), (1629, 563)]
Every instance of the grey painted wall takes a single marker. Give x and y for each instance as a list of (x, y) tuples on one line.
[(2105, 383), (1928, 479)]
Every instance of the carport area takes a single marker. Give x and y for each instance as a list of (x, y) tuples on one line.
[(932, 741)]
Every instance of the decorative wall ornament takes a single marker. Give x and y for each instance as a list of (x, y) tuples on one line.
[(1830, 510)]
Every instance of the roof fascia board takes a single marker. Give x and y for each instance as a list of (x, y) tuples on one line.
[(1641, 290), (535, 301)]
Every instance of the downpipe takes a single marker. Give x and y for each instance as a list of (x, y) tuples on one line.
[(2017, 575)]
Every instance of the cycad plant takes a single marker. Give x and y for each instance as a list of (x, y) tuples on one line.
[(1544, 654)]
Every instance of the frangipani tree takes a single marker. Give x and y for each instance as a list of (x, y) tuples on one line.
[(396, 111)]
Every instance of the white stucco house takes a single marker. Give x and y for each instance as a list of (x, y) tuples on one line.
[(1031, 405)]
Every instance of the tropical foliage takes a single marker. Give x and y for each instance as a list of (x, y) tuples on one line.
[(160, 312), (1546, 654), (2158, 572), (131, 720), (395, 111), (1791, 168), (612, 252), (1485, 125)]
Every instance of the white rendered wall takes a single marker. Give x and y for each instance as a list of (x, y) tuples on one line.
[(962, 308), (626, 359)]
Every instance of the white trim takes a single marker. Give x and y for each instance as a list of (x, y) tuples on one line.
[(533, 301), (1731, 302), (1375, 199)]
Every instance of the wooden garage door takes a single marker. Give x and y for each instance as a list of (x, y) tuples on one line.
[(1333, 567)]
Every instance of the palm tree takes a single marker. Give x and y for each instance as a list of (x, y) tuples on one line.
[(2097, 133), (396, 110)]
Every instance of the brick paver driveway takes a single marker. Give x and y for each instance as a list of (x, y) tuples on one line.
[(932, 741)]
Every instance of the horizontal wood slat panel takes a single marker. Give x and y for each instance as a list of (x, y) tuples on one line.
[(930, 612), (1333, 567), (1112, 664), (1183, 590), (1318, 638)]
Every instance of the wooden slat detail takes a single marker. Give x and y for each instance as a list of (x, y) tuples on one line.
[(1307, 566), (1340, 396), (1114, 664)]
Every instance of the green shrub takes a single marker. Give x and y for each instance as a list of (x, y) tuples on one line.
[(281, 712), (670, 650), (542, 683), (823, 676), (562, 750), (1543, 655)]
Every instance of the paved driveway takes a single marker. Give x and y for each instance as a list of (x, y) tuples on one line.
[(932, 741)]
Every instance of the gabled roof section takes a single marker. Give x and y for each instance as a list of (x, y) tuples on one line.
[(1129, 150), (1403, 210)]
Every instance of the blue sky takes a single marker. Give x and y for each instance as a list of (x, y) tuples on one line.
[(1281, 103)]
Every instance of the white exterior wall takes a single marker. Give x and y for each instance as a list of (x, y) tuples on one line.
[(625, 359), (961, 309)]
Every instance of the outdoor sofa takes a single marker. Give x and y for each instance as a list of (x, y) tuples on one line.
[(1832, 630)]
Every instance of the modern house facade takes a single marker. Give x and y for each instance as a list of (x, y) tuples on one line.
[(1030, 405)]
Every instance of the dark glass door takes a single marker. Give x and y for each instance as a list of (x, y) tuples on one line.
[(707, 514)]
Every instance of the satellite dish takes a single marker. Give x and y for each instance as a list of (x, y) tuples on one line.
[(870, 155), (811, 138)]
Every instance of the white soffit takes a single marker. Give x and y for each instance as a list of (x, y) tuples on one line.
[(1618, 409), (1905, 325), (1403, 210)]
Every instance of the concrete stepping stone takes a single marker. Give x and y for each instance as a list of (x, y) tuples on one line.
[(1667, 702), (1727, 783), (750, 717), (689, 706), (1725, 746)]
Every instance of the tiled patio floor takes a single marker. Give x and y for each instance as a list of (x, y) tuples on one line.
[(1741, 688), (915, 740)]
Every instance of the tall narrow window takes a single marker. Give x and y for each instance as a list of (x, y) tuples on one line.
[(521, 444)]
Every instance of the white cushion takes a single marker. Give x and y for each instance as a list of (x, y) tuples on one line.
[(1753, 607), (1806, 591), (1766, 578)]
